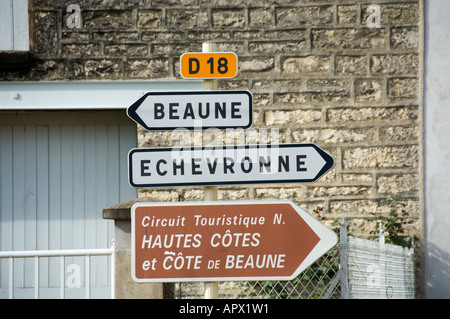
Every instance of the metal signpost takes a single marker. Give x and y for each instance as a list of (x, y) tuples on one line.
[(210, 193), (217, 241)]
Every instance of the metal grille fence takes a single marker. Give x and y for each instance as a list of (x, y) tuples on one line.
[(346, 271), (379, 270), (319, 281), (12, 289)]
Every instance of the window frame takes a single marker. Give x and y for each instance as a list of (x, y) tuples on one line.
[(14, 25)]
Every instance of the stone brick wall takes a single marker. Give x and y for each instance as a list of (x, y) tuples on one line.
[(317, 72)]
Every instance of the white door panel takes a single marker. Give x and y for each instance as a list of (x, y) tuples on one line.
[(55, 179)]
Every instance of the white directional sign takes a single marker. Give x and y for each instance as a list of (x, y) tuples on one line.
[(220, 165), (193, 109)]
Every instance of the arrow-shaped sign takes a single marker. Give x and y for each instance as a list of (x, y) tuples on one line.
[(221, 165), (215, 241), (193, 109)]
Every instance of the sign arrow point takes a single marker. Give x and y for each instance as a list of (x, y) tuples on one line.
[(132, 111)]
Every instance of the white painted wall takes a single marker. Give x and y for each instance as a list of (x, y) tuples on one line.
[(437, 148)]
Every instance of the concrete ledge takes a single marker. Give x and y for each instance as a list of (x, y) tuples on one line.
[(122, 211)]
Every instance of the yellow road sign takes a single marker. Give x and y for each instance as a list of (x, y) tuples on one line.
[(220, 65)]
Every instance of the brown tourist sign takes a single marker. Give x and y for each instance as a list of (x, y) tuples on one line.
[(216, 241)]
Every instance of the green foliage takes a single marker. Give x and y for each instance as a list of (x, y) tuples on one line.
[(393, 224)]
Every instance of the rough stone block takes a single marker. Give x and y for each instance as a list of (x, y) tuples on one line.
[(82, 50), (182, 19), (280, 193), (405, 38), (147, 68), (368, 90), (127, 49), (308, 15), (329, 84), (233, 194), (403, 88), (277, 85), (366, 208), (97, 4), (355, 208), (108, 19), (357, 178), (398, 183), (238, 47), (228, 18), (381, 157), (335, 136), (347, 14), (248, 34), (50, 70), (97, 69), (166, 36), (363, 40), (165, 138), (297, 117), (228, 3), (291, 46), (290, 33), (372, 114), (74, 35), (310, 97), (149, 19), (160, 195), (399, 133), (116, 36), (311, 64), (193, 194), (173, 48), (261, 17), (206, 35), (256, 64), (290, 99), (398, 64), (46, 33), (261, 100), (233, 84), (334, 191), (172, 2), (351, 64)]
